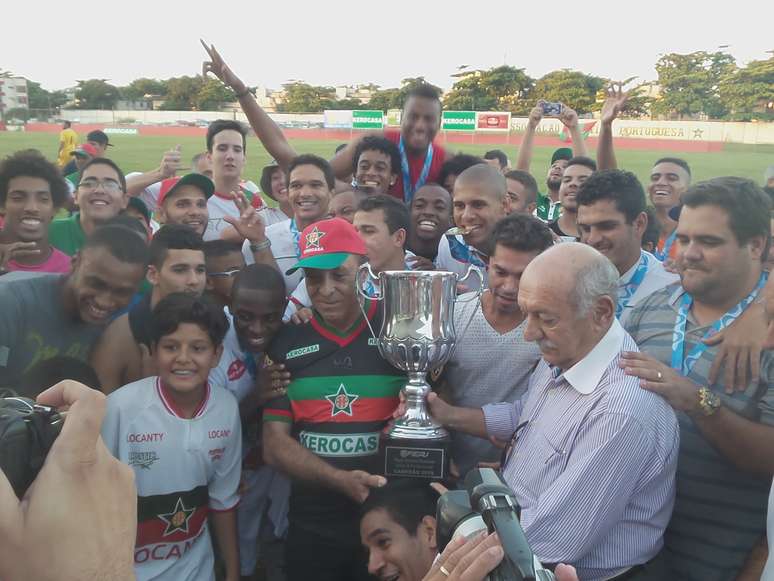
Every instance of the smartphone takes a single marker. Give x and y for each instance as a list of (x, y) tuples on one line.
[(551, 109)]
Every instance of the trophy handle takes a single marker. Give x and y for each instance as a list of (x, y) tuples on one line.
[(472, 269), (365, 273)]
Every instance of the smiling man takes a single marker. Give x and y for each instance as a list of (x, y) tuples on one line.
[(31, 191), (101, 195), (431, 216), (183, 201), (377, 164), (669, 179), (576, 172), (49, 315)]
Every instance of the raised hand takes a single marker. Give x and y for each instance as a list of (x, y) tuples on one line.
[(249, 225), (171, 163), (614, 102), (568, 117), (218, 67), (535, 116), (16, 250)]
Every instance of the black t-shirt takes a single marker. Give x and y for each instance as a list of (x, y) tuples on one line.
[(554, 226)]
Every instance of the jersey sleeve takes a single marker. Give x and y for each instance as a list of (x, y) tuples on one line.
[(111, 426), (224, 485), (278, 410)]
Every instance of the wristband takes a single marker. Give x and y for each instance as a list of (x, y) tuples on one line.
[(260, 246)]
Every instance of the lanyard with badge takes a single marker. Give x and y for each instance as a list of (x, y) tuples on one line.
[(463, 253), (664, 254), (626, 291), (408, 188), (685, 364)]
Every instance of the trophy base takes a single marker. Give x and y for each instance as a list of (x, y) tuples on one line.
[(414, 458)]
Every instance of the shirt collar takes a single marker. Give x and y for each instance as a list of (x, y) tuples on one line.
[(627, 276), (584, 376)]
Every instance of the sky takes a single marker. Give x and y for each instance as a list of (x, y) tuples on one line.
[(347, 42)]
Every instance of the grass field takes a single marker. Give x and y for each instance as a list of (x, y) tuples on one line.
[(134, 153)]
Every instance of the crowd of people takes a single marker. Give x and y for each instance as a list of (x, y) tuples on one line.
[(616, 367)]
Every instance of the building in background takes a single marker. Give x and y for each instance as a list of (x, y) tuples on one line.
[(13, 95)]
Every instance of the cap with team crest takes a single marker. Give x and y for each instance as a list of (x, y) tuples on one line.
[(327, 244)]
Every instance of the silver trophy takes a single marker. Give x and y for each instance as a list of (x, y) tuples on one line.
[(417, 336)]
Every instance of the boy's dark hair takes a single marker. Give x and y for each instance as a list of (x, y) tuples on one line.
[(49, 372), (317, 161), (582, 160), (217, 248), (406, 501), (109, 163), (522, 233), (259, 277), (677, 161), (137, 204), (67, 124), (499, 155), (381, 144), (123, 243), (173, 237), (456, 165), (222, 125), (396, 214), (267, 173), (424, 91), (652, 232), (340, 146), (126, 221), (31, 163), (747, 206), (178, 308), (622, 187), (525, 179)]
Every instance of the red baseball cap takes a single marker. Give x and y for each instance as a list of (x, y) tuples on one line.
[(85, 149), (202, 182), (327, 244)]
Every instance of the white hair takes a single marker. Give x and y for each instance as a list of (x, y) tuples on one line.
[(597, 279)]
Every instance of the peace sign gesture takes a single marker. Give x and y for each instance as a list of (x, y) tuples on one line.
[(614, 103), (218, 67), (249, 224)]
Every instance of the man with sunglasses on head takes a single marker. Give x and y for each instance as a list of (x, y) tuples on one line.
[(101, 195)]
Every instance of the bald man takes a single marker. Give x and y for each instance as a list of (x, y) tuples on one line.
[(479, 200), (593, 456)]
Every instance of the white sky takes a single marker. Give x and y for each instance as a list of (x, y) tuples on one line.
[(346, 42)]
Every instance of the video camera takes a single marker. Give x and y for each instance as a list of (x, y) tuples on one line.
[(27, 431), (487, 503)]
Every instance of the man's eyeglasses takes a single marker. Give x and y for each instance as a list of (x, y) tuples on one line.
[(108, 186), (225, 274)]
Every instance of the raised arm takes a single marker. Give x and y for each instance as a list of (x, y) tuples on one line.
[(616, 99), (525, 149), (169, 166), (265, 129), (569, 119)]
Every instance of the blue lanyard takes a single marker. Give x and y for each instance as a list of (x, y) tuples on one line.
[(461, 252), (408, 188), (296, 236), (664, 254), (685, 364), (626, 291)]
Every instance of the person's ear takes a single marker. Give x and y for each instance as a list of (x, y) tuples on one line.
[(400, 237), (216, 357), (531, 208), (161, 215), (393, 179), (427, 531), (640, 224), (152, 275), (757, 244), (604, 311)]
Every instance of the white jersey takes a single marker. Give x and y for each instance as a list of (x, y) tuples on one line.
[(284, 247), (656, 278), (236, 370), (183, 469)]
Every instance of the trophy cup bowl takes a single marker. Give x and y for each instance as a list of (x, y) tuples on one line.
[(417, 336)]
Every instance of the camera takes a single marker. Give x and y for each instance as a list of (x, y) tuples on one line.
[(487, 503), (551, 109), (27, 431)]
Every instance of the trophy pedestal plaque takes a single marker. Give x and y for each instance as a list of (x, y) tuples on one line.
[(417, 336)]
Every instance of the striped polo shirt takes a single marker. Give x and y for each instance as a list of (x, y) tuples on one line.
[(720, 511), (341, 395)]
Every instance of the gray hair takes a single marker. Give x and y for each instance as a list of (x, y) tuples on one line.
[(597, 279)]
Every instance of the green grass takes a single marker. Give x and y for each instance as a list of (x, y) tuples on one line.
[(134, 153)]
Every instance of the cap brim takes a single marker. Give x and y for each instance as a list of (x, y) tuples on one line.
[(674, 213), (321, 261), (194, 179)]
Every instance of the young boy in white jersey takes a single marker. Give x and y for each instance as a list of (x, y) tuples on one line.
[(182, 436)]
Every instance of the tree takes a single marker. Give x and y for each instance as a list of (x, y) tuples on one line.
[(342, 104), (96, 94), (748, 92), (385, 99), (689, 83), (573, 88), (212, 95), (40, 98), (499, 88), (139, 88), (301, 97), (181, 93)]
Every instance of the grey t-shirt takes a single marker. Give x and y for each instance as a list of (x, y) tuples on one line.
[(34, 326), (486, 367)]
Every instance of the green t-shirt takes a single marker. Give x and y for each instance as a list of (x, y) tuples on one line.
[(547, 210), (74, 178), (67, 234)]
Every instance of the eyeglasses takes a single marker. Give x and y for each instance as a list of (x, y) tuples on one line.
[(225, 274), (108, 186), (509, 447)]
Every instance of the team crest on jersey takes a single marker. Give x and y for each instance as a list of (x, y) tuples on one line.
[(341, 401), (313, 239), (177, 520), (236, 369), (143, 460)]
